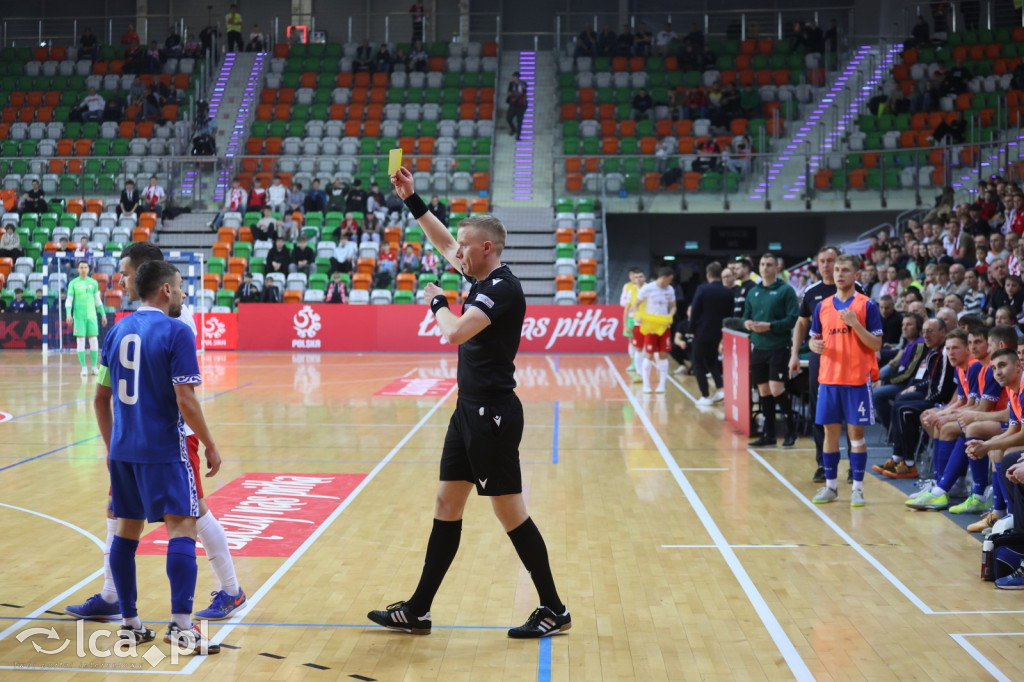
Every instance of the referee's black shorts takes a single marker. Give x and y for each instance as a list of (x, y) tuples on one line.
[(769, 365), (482, 445)]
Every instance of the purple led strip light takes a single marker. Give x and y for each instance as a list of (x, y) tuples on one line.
[(522, 165)]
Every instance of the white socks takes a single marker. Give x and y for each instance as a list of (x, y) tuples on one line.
[(109, 592), (858, 485), (215, 542), (662, 365), (644, 368), (632, 355)]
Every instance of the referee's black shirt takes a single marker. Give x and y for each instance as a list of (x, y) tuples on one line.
[(487, 361)]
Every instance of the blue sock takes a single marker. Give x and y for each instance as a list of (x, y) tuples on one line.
[(979, 472), (858, 460), (831, 465), (122, 568), (956, 466), (181, 571), (998, 491), (940, 455)]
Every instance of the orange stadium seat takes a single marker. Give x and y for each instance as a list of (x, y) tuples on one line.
[(587, 266), (365, 265), (112, 298), (565, 282), (211, 280), (226, 235), (405, 282), (148, 220), (459, 205), (481, 181), (585, 234), (361, 280), (292, 296), (140, 234), (222, 250), (587, 297), (233, 280)]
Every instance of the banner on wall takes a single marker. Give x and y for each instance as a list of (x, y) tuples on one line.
[(403, 328), (736, 377), (21, 330), (218, 330)]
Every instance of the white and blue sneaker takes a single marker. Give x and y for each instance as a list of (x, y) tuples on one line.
[(1014, 581), (95, 608), (222, 605)]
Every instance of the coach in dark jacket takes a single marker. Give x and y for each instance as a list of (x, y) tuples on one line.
[(712, 303)]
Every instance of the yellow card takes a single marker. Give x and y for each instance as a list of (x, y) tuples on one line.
[(394, 161)]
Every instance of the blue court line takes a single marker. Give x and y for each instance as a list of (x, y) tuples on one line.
[(301, 625), (554, 439), (544, 660), (63, 447), (230, 390), (47, 409)]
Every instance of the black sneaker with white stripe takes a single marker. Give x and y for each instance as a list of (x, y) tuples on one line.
[(398, 617), (136, 637), (542, 623)]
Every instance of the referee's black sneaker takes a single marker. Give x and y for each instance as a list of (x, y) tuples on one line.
[(543, 622), (398, 617), (763, 442)]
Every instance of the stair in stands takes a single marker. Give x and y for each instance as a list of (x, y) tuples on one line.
[(232, 103)]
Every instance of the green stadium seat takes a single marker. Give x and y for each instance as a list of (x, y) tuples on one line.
[(450, 281), (226, 297), (318, 281), (414, 233), (216, 265), (258, 264), (242, 250), (565, 251), (586, 282), (403, 296)]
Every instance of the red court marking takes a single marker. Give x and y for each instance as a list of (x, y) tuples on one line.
[(269, 515), (417, 387), (5, 416)]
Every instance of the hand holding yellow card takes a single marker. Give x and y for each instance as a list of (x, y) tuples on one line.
[(394, 161)]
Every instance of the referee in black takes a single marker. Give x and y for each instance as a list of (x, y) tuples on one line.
[(813, 295), (481, 448)]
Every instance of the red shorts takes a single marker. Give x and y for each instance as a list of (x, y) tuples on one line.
[(192, 442), (658, 343), (637, 339)]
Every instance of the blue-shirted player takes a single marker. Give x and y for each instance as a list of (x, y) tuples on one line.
[(144, 398)]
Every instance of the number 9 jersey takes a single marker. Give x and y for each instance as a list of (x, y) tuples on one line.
[(144, 356)]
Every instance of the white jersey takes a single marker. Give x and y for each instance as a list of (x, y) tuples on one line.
[(187, 317), (657, 300)]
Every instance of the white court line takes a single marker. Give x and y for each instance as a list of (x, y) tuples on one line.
[(685, 392), (771, 623), (105, 671), (297, 554), (96, 541), (680, 468), (59, 598), (982, 660), (733, 546)]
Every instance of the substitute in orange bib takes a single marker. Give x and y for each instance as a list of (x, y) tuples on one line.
[(846, 330)]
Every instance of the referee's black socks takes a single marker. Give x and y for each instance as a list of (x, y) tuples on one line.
[(533, 552), (768, 412), (441, 550), (785, 402)]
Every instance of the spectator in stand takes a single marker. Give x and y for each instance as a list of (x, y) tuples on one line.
[(349, 228), (10, 243), (153, 198), (409, 262), (271, 291), (278, 258), (91, 108), (152, 104), (707, 156), (19, 304), (642, 40), (418, 14), (336, 290), (207, 36), (357, 197), (113, 108), (997, 274), (296, 199), (36, 306), (750, 101), (974, 297), (387, 260), (268, 227), (133, 58), (661, 153), (192, 47), (430, 263), (234, 202), (892, 327), (439, 210), (257, 42), (396, 207), (695, 38), (517, 102), (689, 58), (130, 37), (957, 273), (606, 42), (399, 57), (371, 229), (302, 258), (419, 60), (624, 42), (663, 41), (920, 35), (344, 258), (375, 202), (832, 37), (258, 196), (277, 195), (586, 42), (382, 60), (34, 200), (247, 291), (151, 62), (128, 205), (364, 59), (233, 25), (958, 244), (336, 195), (137, 93), (643, 104), (316, 199), (708, 59), (696, 103), (172, 43), (88, 47)]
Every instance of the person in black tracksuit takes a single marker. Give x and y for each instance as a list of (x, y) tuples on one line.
[(712, 303)]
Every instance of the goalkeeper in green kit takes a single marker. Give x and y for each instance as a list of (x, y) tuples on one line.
[(82, 305)]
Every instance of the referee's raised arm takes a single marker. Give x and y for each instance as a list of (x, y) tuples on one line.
[(434, 230)]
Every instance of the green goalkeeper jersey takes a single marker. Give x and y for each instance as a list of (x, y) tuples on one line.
[(83, 291)]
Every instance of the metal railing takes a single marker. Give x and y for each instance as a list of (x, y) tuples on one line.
[(108, 29)]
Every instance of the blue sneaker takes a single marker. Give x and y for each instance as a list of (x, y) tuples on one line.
[(95, 608), (222, 606), (1014, 581)]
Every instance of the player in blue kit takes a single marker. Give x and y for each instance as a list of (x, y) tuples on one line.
[(144, 398)]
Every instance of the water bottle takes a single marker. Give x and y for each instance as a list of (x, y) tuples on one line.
[(986, 561)]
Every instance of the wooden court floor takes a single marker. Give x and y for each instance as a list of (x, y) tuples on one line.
[(682, 554)]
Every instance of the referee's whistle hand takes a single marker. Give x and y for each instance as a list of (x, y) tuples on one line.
[(430, 291), (402, 180)]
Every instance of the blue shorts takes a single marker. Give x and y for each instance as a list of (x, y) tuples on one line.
[(850, 404), (149, 491)]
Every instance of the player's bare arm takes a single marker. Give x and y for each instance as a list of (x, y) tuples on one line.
[(870, 340), (435, 231), (104, 412), (803, 325), (192, 413), (457, 329), (1012, 437)]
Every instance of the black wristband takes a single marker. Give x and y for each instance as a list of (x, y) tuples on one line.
[(415, 205), (438, 302)]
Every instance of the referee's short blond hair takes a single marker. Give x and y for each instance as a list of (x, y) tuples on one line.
[(493, 227)]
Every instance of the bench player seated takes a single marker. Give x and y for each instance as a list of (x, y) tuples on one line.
[(985, 409)]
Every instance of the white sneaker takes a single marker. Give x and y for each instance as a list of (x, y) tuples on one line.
[(704, 401), (681, 369), (660, 388), (718, 397), (647, 388), (95, 371), (85, 371)]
